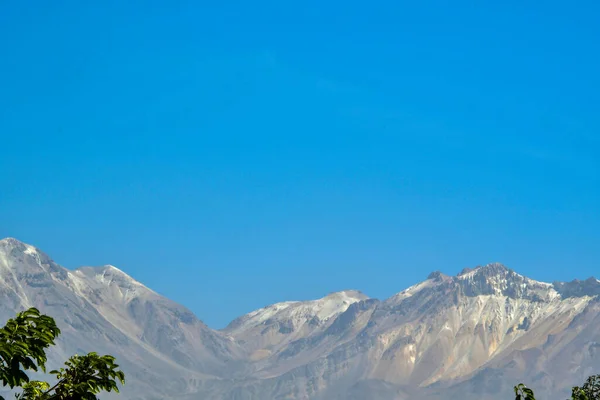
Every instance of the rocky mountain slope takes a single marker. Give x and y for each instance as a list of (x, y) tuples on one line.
[(471, 335), (103, 309)]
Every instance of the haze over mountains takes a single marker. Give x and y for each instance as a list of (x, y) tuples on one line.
[(471, 335)]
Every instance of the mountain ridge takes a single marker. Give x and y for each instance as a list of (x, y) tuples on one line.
[(441, 335), (576, 287)]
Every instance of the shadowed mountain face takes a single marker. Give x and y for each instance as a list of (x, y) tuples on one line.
[(472, 335)]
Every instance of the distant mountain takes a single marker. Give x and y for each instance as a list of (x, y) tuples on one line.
[(473, 335), (161, 345)]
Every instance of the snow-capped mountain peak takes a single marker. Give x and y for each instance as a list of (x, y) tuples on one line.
[(11, 241), (434, 279), (578, 288), (268, 330), (348, 296), (497, 279), (299, 312), (107, 274), (491, 279), (21, 260), (15, 247)]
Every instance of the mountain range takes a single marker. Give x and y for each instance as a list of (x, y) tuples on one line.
[(473, 335)]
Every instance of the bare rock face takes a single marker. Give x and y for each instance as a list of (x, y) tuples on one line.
[(475, 335)]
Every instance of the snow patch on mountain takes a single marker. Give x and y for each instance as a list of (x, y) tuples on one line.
[(262, 314), (30, 250), (412, 290), (295, 313), (121, 285)]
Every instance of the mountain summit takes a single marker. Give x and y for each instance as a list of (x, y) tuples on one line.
[(471, 335), (497, 279)]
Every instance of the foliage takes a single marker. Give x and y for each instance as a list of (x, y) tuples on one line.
[(23, 344), (589, 391), (522, 392)]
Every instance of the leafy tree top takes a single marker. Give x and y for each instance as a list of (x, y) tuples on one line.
[(23, 344)]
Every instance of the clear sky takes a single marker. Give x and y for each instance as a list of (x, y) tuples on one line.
[(237, 154)]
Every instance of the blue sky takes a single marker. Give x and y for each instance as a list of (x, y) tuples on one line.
[(231, 156)]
